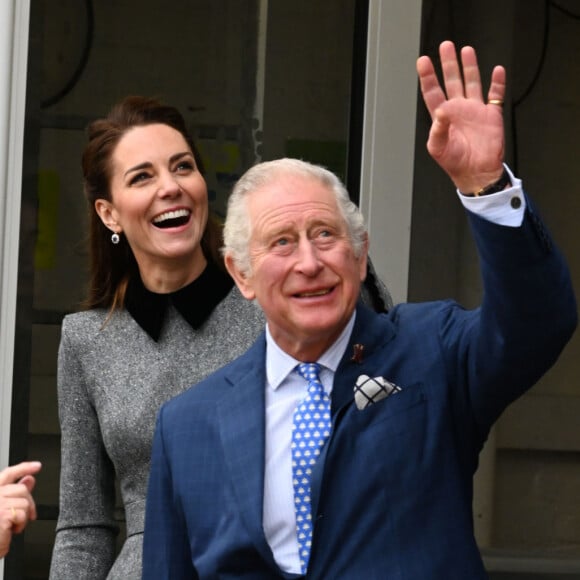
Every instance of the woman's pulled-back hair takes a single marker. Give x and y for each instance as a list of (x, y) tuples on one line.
[(111, 266)]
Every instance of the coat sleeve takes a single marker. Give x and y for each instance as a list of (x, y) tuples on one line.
[(527, 316), (166, 552), (86, 530)]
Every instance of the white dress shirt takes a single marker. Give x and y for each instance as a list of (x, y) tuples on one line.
[(499, 207), (286, 388)]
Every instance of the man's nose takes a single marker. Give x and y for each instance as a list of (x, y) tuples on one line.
[(308, 258)]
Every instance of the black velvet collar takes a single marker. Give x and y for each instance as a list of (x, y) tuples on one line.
[(195, 302)]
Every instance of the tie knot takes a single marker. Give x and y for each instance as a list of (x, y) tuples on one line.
[(310, 371)]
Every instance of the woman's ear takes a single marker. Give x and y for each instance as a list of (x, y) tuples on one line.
[(242, 280), (106, 212)]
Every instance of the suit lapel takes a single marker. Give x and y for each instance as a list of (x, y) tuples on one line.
[(241, 417), (371, 332), (374, 333)]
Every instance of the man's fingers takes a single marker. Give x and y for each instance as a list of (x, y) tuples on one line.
[(459, 82), (15, 472), (20, 510), (438, 135), (471, 75), (451, 73), (431, 90), (498, 84), (29, 481), (16, 485)]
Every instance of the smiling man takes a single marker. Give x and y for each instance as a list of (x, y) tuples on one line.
[(343, 444), (305, 267)]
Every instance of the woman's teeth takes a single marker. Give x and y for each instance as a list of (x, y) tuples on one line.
[(172, 218)]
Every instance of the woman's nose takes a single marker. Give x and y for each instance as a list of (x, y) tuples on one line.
[(168, 185)]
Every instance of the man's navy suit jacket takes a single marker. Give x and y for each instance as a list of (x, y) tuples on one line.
[(392, 491)]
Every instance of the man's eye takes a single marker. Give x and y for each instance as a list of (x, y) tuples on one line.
[(324, 234), (281, 242)]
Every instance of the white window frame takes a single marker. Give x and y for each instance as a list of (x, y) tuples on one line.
[(14, 32), (388, 148)]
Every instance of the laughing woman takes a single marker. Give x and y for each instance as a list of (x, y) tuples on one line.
[(161, 315)]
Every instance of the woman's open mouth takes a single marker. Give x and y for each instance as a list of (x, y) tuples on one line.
[(172, 219)]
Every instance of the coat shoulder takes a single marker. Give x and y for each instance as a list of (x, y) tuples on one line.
[(218, 384)]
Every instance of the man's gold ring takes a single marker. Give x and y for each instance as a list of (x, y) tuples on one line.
[(13, 513), (498, 102)]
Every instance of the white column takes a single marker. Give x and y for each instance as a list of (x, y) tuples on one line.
[(14, 19), (389, 136), (260, 78)]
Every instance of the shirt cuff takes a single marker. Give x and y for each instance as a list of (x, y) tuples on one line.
[(505, 208)]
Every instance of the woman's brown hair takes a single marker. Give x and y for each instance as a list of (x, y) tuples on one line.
[(111, 266)]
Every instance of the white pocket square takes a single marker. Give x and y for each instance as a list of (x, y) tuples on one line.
[(370, 390)]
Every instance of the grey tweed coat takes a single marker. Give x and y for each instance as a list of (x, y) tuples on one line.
[(111, 382)]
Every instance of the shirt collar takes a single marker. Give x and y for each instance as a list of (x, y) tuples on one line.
[(279, 364), (195, 302)]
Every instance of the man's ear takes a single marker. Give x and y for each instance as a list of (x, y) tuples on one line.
[(363, 258), (243, 282), (106, 212)]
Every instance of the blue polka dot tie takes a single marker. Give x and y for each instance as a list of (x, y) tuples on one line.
[(311, 428)]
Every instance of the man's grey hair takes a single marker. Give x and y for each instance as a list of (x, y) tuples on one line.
[(237, 229)]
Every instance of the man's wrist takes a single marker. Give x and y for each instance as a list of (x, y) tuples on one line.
[(502, 183)]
